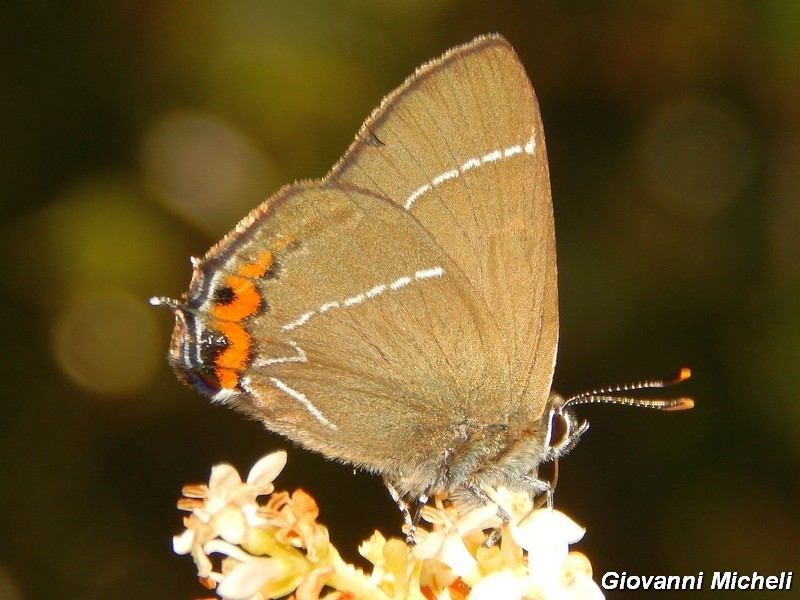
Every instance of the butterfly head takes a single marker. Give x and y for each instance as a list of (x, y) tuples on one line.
[(565, 429)]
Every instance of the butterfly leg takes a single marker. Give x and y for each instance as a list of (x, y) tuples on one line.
[(401, 504), (421, 502), (411, 521), (484, 498)]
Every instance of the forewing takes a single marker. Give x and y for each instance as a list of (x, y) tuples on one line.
[(460, 146)]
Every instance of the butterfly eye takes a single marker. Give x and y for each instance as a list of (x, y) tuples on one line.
[(559, 431), (564, 432)]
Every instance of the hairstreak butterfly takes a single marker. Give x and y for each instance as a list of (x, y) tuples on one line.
[(401, 313)]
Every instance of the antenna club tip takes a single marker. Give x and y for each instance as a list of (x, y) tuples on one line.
[(173, 305), (684, 374), (681, 404)]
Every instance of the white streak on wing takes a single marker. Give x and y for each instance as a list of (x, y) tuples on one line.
[(530, 146), (427, 273), (376, 291), (358, 299), (492, 156), (327, 306), (245, 385), (373, 292), (417, 193), (299, 357), (439, 179), (468, 165), (222, 396), (402, 282), (301, 398), (304, 317)]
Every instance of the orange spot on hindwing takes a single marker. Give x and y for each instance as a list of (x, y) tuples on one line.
[(227, 345), (238, 300), (235, 355), (260, 267), (233, 359)]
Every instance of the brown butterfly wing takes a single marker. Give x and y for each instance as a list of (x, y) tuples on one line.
[(460, 146)]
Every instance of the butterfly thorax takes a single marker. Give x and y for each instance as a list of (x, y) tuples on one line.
[(494, 455)]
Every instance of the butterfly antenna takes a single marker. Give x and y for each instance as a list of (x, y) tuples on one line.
[(164, 301), (610, 395), (176, 306)]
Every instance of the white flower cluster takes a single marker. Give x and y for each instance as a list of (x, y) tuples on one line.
[(274, 548)]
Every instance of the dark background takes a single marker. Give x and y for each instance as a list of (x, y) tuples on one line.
[(134, 134)]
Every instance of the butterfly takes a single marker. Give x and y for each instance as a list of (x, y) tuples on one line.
[(401, 313)]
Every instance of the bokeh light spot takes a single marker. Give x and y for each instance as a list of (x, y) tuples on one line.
[(697, 154), (9, 588), (99, 232), (204, 170), (106, 342), (784, 215)]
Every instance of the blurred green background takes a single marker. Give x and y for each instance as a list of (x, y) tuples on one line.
[(134, 134)]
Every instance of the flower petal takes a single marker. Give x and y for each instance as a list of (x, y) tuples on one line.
[(430, 546), (545, 528), (502, 584), (455, 555), (483, 517), (230, 524), (267, 469), (568, 528), (182, 543), (223, 478), (247, 578)]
